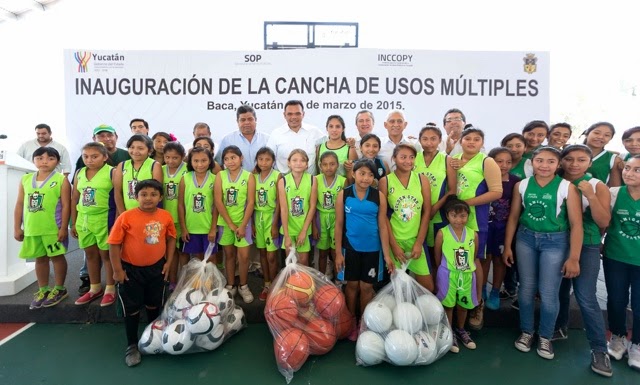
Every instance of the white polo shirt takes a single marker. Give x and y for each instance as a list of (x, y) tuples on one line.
[(283, 140), (386, 150)]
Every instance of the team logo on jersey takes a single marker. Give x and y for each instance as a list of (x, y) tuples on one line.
[(152, 233), (297, 207), (630, 228), (131, 188), (327, 200), (53, 184), (380, 171), (463, 182), (262, 197), (88, 197), (407, 206), (243, 182), (231, 197), (547, 196), (431, 178), (35, 202), (461, 258), (172, 191), (392, 190), (273, 183), (198, 203), (537, 211)]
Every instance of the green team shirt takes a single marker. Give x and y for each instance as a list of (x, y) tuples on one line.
[(94, 193), (591, 230), (544, 208), (342, 153), (623, 233), (601, 166), (171, 183), (460, 253), (436, 174), (298, 202), (523, 169), (198, 203), (471, 183), (130, 178), (41, 213), (327, 194), (267, 191), (406, 203), (234, 195)]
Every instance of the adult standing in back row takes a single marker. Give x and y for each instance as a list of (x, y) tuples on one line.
[(247, 138), (43, 139)]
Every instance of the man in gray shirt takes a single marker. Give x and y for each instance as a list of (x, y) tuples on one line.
[(43, 139)]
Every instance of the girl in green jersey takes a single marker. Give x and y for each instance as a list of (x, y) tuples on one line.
[(517, 144), (605, 165), (535, 133), (559, 135), (337, 143), (631, 142)]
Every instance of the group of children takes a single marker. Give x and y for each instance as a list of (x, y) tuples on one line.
[(444, 218)]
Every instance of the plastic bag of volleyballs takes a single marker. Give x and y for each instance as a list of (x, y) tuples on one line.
[(404, 324), (304, 312)]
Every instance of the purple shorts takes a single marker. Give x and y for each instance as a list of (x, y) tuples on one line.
[(197, 244)]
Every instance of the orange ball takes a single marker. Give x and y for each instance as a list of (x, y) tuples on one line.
[(291, 348), (281, 311), (329, 301), (321, 335), (344, 323), (300, 287)]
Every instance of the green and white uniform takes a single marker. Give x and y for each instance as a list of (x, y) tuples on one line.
[(327, 196), (93, 207), (523, 169), (234, 199), (436, 174), (601, 165), (198, 202), (456, 274), (592, 234), (544, 208), (623, 233), (298, 204), (265, 209), (130, 178), (170, 199), (342, 153)]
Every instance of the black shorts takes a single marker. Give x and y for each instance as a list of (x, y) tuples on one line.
[(145, 287), (365, 266)]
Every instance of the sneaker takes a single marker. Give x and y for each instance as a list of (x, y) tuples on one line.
[(545, 348), (38, 299), (245, 293), (108, 299), (515, 305), (560, 334), (232, 289), (465, 338), (505, 294), (601, 364), (88, 297), (476, 317), (54, 297), (132, 355), (84, 286), (634, 356), (493, 303), (524, 342), (264, 294), (454, 346), (617, 346)]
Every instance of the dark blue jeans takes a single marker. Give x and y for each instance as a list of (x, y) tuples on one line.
[(619, 278)]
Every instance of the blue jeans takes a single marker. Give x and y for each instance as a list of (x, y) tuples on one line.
[(584, 289), (540, 260), (84, 271), (619, 277)]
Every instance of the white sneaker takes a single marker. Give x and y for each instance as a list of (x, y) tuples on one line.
[(232, 289), (245, 293), (634, 356), (617, 346), (329, 271)]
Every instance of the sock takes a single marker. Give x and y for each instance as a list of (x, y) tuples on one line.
[(44, 289), (245, 286), (267, 284), (152, 314), (59, 287), (131, 328), (229, 287), (95, 288), (220, 266), (110, 289)]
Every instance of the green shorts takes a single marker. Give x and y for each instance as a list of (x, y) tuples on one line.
[(306, 246), (41, 245), (457, 287), (263, 224), (226, 237), (417, 266), (92, 230), (327, 227)]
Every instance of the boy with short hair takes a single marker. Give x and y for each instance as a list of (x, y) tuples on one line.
[(138, 242)]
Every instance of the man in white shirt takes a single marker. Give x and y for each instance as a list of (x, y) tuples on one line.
[(364, 125), (453, 123), (247, 138), (139, 126), (395, 125), (43, 138), (294, 134)]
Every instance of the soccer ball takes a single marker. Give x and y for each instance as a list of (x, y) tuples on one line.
[(202, 318), (151, 339), (400, 347), (377, 317), (427, 351), (370, 348), (222, 298), (183, 302), (176, 339), (211, 340), (407, 317), (234, 322)]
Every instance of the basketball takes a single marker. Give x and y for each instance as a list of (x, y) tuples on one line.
[(377, 317), (281, 311), (291, 348), (300, 287), (427, 351), (401, 348), (344, 323), (321, 335), (370, 349), (430, 308), (537, 211), (202, 318), (329, 301)]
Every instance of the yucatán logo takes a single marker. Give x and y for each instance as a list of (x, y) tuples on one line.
[(395, 60)]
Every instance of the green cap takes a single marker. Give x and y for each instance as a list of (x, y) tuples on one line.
[(103, 128)]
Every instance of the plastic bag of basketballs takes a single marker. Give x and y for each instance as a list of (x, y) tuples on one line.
[(199, 315), (404, 324), (306, 314)]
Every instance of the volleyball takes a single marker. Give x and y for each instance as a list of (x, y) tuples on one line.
[(388, 300), (427, 350), (400, 347), (377, 317), (407, 317), (370, 348), (430, 308), (445, 339)]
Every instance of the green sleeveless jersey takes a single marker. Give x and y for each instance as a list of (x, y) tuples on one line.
[(171, 183), (342, 153), (406, 206), (327, 195), (42, 206), (591, 230), (298, 202), (623, 233), (436, 174), (267, 191), (544, 208), (130, 178), (471, 183), (601, 166), (94, 193), (523, 169), (460, 254), (234, 195), (198, 203)]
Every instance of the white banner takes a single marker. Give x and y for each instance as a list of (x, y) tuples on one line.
[(498, 91)]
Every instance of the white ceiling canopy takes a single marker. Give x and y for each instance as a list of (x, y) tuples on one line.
[(15, 10)]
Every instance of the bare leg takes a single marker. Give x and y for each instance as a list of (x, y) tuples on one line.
[(366, 295), (272, 259), (480, 281), (243, 259), (42, 271), (322, 260), (93, 264), (230, 264), (266, 276), (59, 269), (303, 258), (499, 271), (426, 281), (104, 255), (351, 294), (461, 315)]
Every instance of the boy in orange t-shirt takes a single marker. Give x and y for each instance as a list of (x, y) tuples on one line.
[(138, 242)]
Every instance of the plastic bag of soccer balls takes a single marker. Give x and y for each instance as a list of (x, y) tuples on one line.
[(199, 316), (404, 325), (306, 314)]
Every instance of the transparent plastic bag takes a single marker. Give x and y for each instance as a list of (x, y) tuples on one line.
[(404, 324), (305, 312), (199, 315)]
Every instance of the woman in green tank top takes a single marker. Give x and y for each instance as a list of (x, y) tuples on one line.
[(559, 135), (631, 142), (517, 144), (337, 142), (605, 165), (535, 132)]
